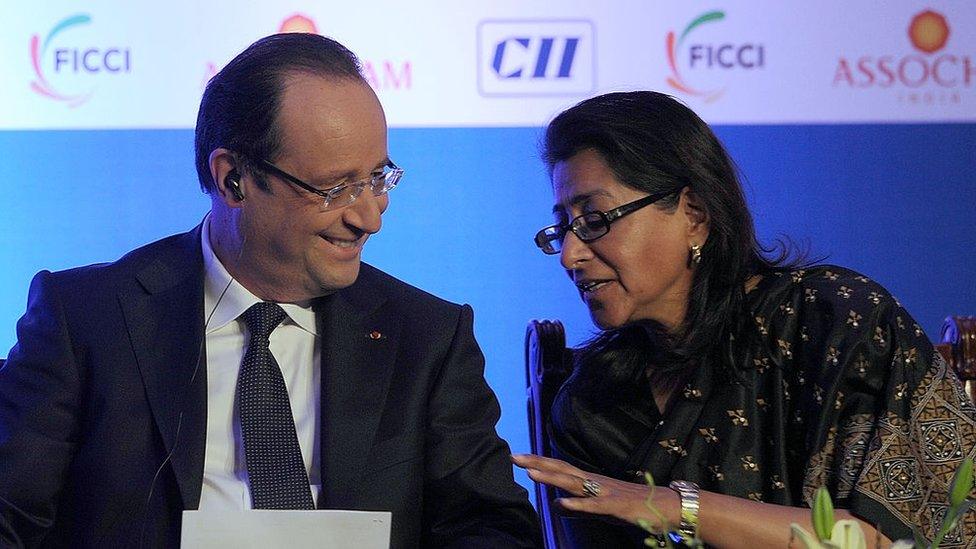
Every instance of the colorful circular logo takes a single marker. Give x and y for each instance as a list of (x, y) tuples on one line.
[(672, 46), (37, 50), (298, 23), (929, 31)]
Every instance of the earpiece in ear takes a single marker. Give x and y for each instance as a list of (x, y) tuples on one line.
[(233, 182)]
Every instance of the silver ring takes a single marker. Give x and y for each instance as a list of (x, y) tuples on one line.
[(591, 488)]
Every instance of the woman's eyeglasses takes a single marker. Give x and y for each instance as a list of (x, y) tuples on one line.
[(591, 225)]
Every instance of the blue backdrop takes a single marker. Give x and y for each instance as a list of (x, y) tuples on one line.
[(897, 202)]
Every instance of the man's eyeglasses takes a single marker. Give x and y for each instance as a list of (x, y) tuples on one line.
[(346, 193), (591, 225)]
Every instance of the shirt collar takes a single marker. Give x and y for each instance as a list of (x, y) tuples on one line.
[(222, 310)]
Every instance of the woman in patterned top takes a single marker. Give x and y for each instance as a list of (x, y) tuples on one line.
[(743, 382)]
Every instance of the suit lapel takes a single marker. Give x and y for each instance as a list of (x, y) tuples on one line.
[(165, 324), (359, 340)]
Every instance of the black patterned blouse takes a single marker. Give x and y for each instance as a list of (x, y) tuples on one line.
[(840, 388)]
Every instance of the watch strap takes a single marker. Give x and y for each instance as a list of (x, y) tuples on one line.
[(689, 494)]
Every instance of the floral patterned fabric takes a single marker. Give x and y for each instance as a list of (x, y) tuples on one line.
[(835, 385)]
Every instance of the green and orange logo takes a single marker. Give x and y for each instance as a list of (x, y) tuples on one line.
[(687, 57), (55, 59), (38, 52)]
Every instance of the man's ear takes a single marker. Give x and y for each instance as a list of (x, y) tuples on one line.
[(227, 178), (695, 213)]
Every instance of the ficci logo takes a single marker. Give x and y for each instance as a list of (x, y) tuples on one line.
[(703, 56), (70, 65), (938, 74)]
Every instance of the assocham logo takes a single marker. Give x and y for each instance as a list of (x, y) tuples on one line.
[(698, 57), (919, 78), (382, 75), (57, 60), (385, 74)]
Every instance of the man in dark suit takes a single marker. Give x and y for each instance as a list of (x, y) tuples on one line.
[(254, 362)]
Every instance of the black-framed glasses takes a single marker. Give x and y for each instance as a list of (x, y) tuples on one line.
[(345, 193), (592, 225)]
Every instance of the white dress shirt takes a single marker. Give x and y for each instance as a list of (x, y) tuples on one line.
[(295, 344)]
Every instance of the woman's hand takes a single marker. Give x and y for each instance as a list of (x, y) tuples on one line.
[(607, 497)]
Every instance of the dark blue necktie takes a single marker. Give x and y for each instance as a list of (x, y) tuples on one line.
[(275, 469)]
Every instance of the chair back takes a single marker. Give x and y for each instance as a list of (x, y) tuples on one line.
[(958, 347), (548, 364)]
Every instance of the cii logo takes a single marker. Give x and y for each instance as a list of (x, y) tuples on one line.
[(517, 58), (69, 65), (698, 57)]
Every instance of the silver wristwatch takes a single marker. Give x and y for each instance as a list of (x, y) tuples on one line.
[(689, 493)]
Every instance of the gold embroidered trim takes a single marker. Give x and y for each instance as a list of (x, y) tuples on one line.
[(903, 467)]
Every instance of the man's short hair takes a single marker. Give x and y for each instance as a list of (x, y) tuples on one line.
[(239, 109)]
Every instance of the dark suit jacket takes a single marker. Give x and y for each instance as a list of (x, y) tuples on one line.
[(100, 388)]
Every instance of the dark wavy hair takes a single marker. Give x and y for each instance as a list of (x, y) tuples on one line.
[(239, 109), (653, 143)]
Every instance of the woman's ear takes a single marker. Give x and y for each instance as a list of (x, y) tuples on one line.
[(691, 206)]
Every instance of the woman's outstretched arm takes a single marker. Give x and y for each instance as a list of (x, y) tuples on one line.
[(724, 521)]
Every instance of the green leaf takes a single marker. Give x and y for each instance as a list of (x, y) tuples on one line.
[(823, 514), (962, 483), (806, 538)]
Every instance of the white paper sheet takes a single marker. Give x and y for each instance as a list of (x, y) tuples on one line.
[(292, 529)]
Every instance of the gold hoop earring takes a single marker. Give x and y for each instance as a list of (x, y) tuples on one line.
[(694, 254)]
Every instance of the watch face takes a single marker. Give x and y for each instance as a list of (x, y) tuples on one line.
[(683, 485)]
